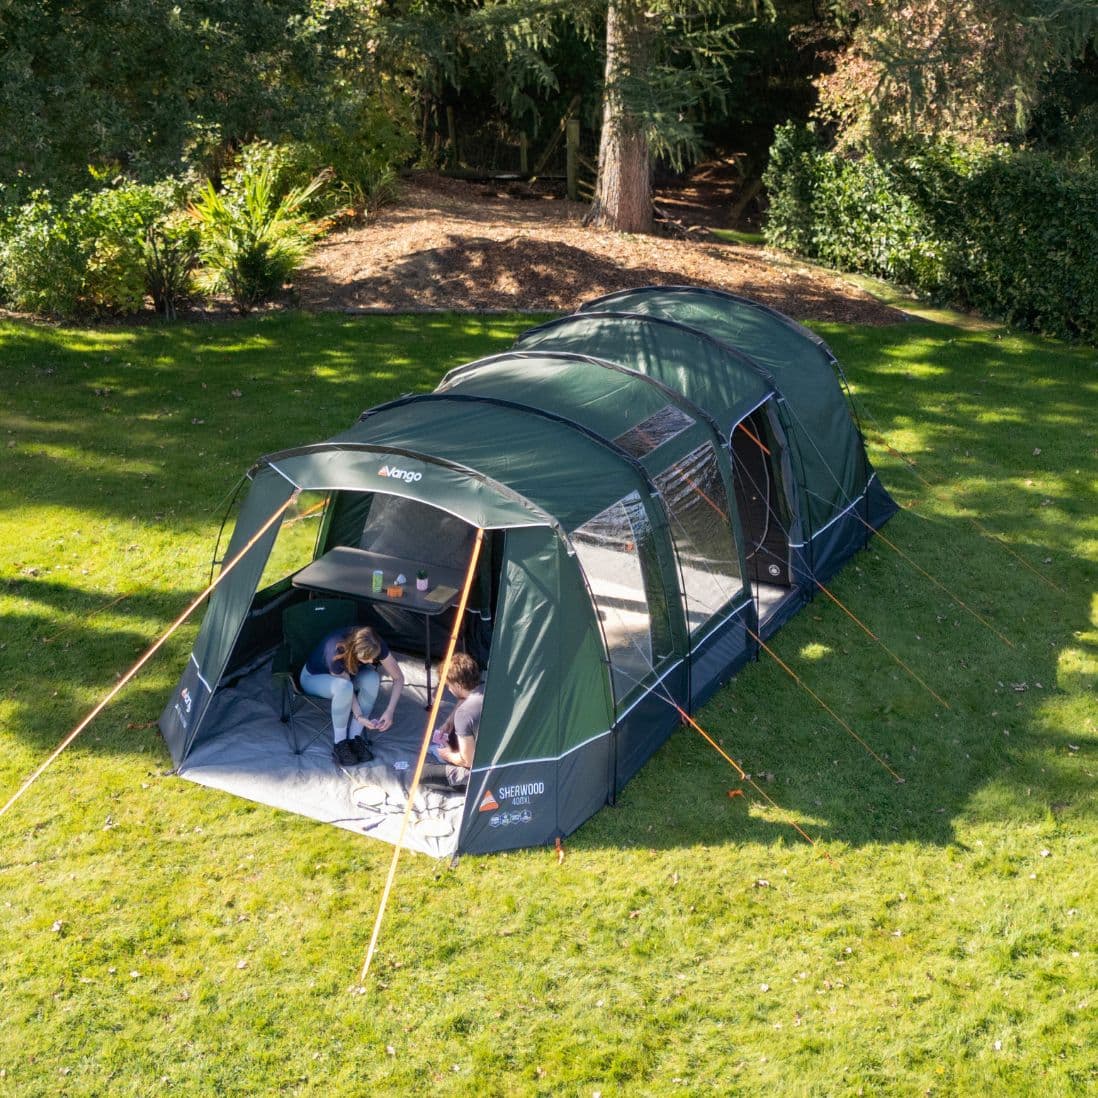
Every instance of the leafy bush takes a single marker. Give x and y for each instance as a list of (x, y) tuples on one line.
[(365, 141), (1027, 247), (171, 255), (87, 254), (43, 257), (253, 239), (292, 165), (115, 225), (795, 156), (998, 231)]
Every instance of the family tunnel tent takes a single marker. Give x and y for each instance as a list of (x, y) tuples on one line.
[(623, 515)]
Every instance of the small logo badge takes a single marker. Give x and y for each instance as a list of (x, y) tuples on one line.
[(488, 803), (774, 570), (406, 475)]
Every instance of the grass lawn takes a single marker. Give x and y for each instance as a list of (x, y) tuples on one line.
[(736, 236), (940, 938)]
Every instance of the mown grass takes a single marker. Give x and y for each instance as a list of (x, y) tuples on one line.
[(939, 938), (738, 236)]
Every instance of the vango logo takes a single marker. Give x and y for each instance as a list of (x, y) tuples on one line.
[(405, 475)]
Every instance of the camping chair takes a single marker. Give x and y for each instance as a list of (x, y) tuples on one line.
[(304, 626)]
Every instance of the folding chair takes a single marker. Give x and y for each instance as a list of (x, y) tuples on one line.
[(304, 626)]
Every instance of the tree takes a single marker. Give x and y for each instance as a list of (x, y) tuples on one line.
[(963, 68), (663, 60), (139, 85), (623, 190)]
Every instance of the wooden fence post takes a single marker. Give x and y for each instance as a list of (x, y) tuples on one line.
[(524, 155), (572, 142), (451, 132)]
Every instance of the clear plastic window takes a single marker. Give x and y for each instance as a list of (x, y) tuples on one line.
[(608, 551), (297, 538), (653, 432), (701, 529)]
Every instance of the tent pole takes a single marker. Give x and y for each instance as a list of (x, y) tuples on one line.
[(444, 670), (150, 652)]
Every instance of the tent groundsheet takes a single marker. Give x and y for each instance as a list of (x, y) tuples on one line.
[(290, 766)]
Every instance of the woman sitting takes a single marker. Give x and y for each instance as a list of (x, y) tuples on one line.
[(345, 667)]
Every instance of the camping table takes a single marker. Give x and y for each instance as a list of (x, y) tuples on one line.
[(348, 571)]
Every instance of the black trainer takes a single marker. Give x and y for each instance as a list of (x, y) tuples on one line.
[(344, 753), (361, 747)]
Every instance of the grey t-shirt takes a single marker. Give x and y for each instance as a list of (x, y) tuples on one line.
[(466, 723)]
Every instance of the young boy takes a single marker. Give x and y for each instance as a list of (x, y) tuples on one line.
[(454, 741)]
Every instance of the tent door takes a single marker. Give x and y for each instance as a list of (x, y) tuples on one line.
[(761, 500)]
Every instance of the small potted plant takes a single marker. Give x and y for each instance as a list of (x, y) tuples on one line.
[(422, 581)]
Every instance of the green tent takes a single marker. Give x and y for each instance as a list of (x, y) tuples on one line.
[(662, 476)]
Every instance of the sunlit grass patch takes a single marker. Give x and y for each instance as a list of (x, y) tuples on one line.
[(161, 937)]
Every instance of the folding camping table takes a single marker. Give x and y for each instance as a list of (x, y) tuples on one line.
[(345, 570)]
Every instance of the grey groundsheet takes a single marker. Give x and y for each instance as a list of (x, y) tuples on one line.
[(247, 750)]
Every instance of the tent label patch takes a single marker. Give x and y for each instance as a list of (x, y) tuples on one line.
[(488, 803), (506, 819), (521, 794), (406, 475)]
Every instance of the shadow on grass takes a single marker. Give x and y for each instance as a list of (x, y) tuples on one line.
[(161, 420), (65, 648)]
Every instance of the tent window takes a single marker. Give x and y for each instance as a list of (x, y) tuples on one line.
[(701, 529), (400, 527), (653, 432), (608, 550), (297, 539)]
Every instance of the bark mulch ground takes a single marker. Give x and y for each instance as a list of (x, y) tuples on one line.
[(453, 245)]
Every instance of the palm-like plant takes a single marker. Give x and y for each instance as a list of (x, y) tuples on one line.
[(253, 239)]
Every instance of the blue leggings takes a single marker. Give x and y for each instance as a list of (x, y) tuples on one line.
[(365, 684)]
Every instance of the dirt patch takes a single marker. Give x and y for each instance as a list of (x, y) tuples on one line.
[(448, 244)]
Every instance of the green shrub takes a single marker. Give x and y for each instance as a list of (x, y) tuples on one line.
[(795, 158), (86, 255), (365, 140), (253, 239), (999, 231), (43, 258), (291, 165), (116, 226), (1028, 243), (171, 256)]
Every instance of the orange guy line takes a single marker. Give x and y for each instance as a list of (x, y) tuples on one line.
[(800, 682), (148, 655), (429, 728), (869, 632)]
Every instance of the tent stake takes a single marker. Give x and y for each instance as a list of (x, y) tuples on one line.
[(444, 670)]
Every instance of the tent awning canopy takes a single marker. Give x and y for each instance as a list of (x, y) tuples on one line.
[(493, 463)]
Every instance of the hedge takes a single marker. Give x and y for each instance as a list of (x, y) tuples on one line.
[(1011, 234)]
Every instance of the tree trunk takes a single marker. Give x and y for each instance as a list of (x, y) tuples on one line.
[(623, 194)]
